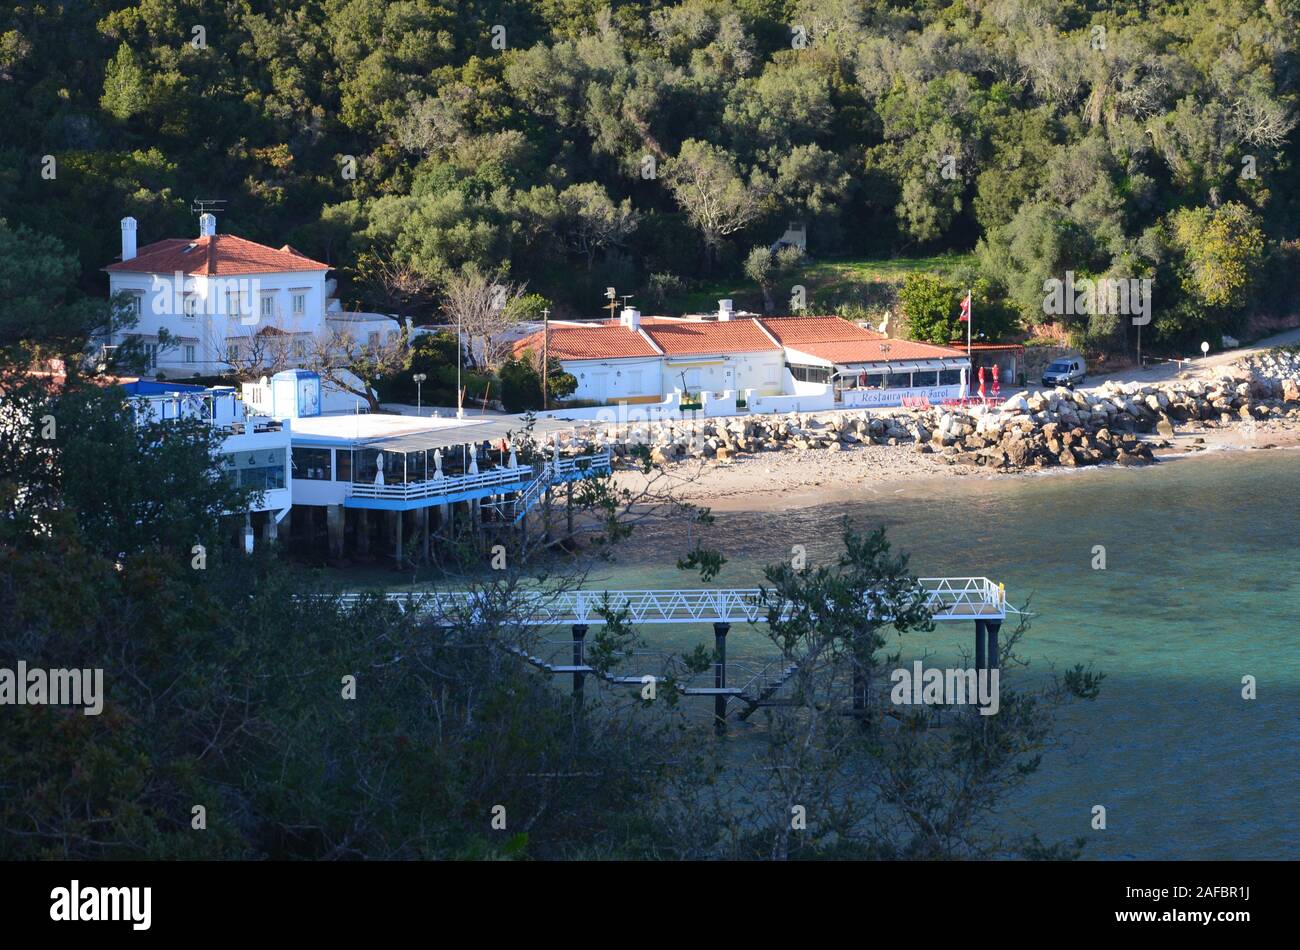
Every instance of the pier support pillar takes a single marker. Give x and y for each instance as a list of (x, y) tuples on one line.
[(362, 528), (568, 509), (335, 525), (980, 628), (992, 657), (579, 638), (397, 538), (424, 533), (720, 631), (270, 530)]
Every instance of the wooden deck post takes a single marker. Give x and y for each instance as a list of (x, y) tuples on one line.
[(720, 631), (397, 537), (424, 533)]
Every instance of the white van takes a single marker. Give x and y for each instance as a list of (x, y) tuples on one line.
[(1067, 371)]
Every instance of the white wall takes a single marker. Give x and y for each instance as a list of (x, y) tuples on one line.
[(208, 329), (807, 397), (610, 380), (761, 371)]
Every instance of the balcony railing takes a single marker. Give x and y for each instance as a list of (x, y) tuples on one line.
[(434, 487)]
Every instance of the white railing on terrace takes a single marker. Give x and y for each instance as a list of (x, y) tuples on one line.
[(949, 598), (448, 485), (433, 487)]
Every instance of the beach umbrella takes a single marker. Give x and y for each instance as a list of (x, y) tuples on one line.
[(514, 459), (473, 463), (437, 463), (981, 379)]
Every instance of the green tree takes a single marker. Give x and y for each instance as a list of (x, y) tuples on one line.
[(1222, 251), (125, 93), (930, 305), (521, 383)]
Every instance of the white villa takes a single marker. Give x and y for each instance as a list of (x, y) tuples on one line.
[(766, 363), (220, 297)]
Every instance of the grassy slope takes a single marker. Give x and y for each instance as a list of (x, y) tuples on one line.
[(837, 279)]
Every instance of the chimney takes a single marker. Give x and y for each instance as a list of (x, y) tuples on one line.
[(207, 225), (631, 319), (128, 238), (725, 309)]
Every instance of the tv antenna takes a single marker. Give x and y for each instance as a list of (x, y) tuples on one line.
[(207, 205)]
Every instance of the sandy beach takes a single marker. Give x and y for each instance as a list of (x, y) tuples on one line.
[(799, 478)]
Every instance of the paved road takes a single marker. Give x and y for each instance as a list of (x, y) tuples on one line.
[(1165, 371)]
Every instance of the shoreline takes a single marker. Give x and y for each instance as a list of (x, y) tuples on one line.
[(784, 480)]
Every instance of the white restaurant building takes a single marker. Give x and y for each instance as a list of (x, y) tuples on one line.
[(732, 362)]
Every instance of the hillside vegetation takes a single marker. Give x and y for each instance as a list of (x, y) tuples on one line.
[(579, 144)]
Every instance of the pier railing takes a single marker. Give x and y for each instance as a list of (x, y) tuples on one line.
[(448, 485), (506, 478), (948, 598)]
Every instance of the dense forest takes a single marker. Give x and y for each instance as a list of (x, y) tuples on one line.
[(578, 144)]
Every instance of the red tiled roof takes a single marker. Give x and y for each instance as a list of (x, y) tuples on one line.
[(988, 347), (591, 342), (792, 331), (698, 337), (219, 255), (839, 341)]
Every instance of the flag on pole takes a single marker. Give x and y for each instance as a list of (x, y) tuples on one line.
[(965, 309)]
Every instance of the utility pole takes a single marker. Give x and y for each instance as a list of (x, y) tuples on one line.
[(546, 356)]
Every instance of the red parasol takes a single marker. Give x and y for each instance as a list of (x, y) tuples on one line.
[(981, 379)]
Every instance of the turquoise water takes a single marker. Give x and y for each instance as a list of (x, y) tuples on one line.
[(1201, 587)]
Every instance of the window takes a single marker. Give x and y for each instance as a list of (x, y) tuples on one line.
[(268, 307), (137, 305), (232, 351), (392, 336), (770, 375), (373, 340), (300, 349), (189, 352), (260, 471), (343, 465), (811, 374), (191, 306), (950, 377), (313, 464), (151, 355), (234, 303), (299, 303)]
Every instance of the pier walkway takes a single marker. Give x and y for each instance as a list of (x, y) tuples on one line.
[(761, 682)]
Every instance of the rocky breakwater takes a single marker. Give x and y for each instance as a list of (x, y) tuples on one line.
[(1119, 423)]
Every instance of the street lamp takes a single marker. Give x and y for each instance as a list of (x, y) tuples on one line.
[(419, 378)]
